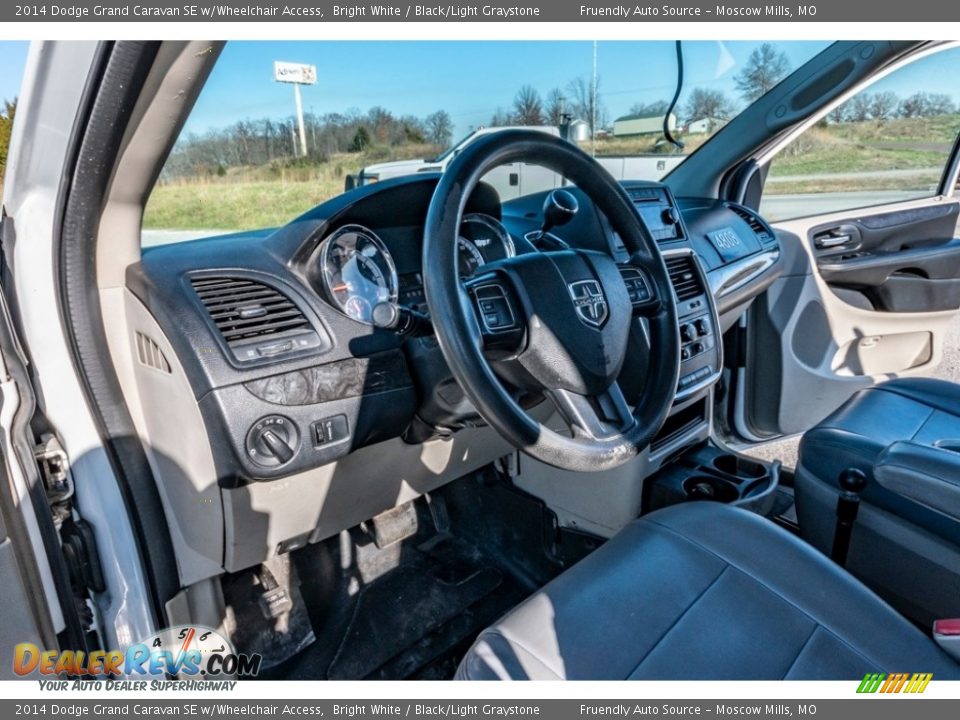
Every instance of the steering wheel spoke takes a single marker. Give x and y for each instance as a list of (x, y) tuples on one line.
[(597, 417)]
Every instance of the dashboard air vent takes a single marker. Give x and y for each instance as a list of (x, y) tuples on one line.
[(244, 309), (761, 231), (684, 276)]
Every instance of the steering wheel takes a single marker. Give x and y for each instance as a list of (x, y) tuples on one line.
[(555, 323)]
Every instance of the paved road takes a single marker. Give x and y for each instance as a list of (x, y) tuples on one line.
[(782, 207), (856, 175)]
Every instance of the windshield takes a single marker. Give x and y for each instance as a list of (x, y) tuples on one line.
[(449, 152), (369, 111)]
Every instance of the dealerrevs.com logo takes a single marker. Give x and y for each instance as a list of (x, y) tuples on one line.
[(912, 683), (184, 651)]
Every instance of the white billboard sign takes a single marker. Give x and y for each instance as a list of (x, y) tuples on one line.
[(298, 73)]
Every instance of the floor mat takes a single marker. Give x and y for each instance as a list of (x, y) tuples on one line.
[(415, 621)]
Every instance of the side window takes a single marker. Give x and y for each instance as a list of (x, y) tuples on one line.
[(889, 143)]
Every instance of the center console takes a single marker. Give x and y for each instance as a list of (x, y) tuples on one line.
[(700, 350), (700, 346), (707, 472)]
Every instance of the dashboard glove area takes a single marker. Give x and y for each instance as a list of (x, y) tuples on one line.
[(552, 322)]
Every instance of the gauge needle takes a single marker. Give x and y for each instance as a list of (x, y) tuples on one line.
[(187, 640), (186, 644), (341, 287)]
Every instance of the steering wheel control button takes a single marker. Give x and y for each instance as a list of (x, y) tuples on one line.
[(273, 441), (494, 308), (331, 430), (637, 287)]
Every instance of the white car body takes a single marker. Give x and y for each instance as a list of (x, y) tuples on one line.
[(516, 179)]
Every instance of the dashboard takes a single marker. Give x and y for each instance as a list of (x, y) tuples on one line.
[(276, 330), (358, 271)]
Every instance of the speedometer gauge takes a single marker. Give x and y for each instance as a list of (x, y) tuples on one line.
[(357, 271), (482, 240)]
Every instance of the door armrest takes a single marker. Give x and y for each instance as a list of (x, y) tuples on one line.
[(925, 474)]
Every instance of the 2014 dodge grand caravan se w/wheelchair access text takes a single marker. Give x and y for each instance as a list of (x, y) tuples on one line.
[(418, 430)]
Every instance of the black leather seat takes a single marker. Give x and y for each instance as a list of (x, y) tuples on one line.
[(921, 410), (703, 591), (906, 544)]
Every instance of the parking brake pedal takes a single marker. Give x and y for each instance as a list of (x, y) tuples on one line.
[(852, 483), (394, 525)]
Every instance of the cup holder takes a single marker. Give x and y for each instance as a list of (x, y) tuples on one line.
[(704, 487), (739, 467)]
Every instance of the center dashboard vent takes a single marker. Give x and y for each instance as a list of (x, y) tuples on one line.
[(684, 276), (756, 224), (254, 319)]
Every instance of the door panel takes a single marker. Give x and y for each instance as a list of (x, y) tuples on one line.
[(872, 302), (864, 201), (900, 261)]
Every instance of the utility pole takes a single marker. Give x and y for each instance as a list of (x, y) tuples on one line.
[(299, 103), (593, 104), (296, 74)]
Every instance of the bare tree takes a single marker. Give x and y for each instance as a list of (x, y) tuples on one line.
[(883, 105), (765, 67), (858, 107), (708, 104), (556, 107), (917, 105), (528, 107), (650, 109), (439, 128), (940, 104), (501, 118), (585, 104), (838, 114)]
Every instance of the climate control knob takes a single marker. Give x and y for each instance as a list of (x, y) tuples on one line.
[(273, 441)]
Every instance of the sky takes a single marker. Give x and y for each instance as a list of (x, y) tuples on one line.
[(13, 57), (470, 80)]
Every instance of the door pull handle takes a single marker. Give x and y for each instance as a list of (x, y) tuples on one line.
[(825, 242)]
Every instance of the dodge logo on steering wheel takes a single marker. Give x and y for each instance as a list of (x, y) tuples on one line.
[(589, 301)]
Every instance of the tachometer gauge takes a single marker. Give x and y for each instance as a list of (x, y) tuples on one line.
[(482, 240), (357, 271), (469, 257)]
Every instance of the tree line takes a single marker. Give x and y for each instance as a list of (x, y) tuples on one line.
[(7, 113), (249, 143), (265, 141), (889, 106)]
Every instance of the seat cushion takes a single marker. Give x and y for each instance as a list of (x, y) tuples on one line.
[(702, 591), (905, 549)]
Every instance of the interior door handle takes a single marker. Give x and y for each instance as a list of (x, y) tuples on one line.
[(825, 242)]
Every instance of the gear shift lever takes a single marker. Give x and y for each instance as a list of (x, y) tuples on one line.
[(852, 483), (559, 208)]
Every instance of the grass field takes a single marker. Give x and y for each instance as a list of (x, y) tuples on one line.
[(245, 198)]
